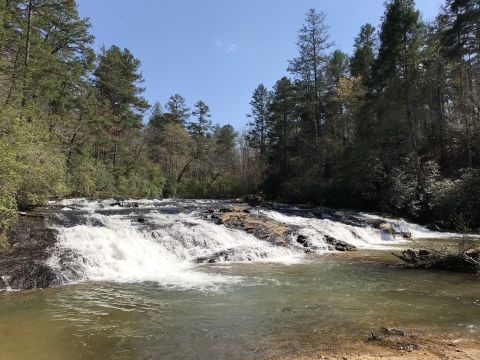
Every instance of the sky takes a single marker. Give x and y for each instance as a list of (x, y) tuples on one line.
[(218, 51)]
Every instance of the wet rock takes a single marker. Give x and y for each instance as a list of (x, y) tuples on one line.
[(24, 262), (303, 240), (407, 235), (339, 245), (220, 256), (393, 331), (258, 225), (3, 285), (141, 220), (116, 203), (373, 337), (32, 275), (257, 199)]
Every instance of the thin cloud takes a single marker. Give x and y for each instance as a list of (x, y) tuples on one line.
[(229, 48)]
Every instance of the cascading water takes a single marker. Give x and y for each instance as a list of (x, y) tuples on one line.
[(162, 241), (109, 243)]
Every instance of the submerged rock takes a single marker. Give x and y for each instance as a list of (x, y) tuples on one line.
[(393, 331)]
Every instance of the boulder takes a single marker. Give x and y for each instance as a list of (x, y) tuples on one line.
[(257, 199), (303, 240), (338, 245), (24, 262)]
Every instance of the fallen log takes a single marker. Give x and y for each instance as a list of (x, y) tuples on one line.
[(467, 261)]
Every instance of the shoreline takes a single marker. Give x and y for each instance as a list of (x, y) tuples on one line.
[(413, 347)]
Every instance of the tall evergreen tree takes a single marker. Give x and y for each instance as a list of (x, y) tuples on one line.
[(202, 127), (118, 80), (364, 53), (309, 66), (178, 111), (258, 127)]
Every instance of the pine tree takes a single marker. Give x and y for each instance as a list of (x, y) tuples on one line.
[(309, 66), (118, 80), (178, 111), (364, 53), (258, 130), (202, 127)]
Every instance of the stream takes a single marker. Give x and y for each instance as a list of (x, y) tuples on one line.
[(132, 287)]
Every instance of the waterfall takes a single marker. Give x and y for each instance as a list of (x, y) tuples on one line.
[(163, 241), (109, 245)]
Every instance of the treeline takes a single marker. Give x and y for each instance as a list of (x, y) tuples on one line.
[(72, 121), (395, 127)]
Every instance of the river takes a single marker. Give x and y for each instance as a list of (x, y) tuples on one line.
[(133, 290)]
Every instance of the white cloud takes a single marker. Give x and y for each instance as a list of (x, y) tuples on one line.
[(228, 48), (232, 47)]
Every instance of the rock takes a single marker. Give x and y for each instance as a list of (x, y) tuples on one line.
[(223, 255), (393, 331), (303, 240), (116, 203), (3, 285), (256, 224), (255, 199), (141, 220), (373, 337), (407, 235), (24, 263), (387, 228), (338, 245)]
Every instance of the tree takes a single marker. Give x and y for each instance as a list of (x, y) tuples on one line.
[(364, 53), (309, 66), (203, 125), (258, 130), (461, 38), (118, 78), (178, 111), (156, 118), (280, 134)]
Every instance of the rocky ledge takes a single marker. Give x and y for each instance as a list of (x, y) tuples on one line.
[(23, 264), (244, 218)]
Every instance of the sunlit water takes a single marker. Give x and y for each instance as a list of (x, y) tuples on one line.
[(165, 307)]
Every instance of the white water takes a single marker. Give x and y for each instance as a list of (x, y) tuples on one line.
[(163, 251), (114, 246)]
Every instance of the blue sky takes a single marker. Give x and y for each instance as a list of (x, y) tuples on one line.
[(218, 51)]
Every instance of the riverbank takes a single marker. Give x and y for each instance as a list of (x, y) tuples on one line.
[(429, 348)]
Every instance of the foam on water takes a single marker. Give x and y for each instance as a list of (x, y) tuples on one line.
[(316, 230), (417, 231), (118, 248), (108, 242)]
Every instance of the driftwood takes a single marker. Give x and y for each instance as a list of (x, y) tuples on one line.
[(467, 261)]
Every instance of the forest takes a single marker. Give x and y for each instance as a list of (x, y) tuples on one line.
[(393, 127)]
